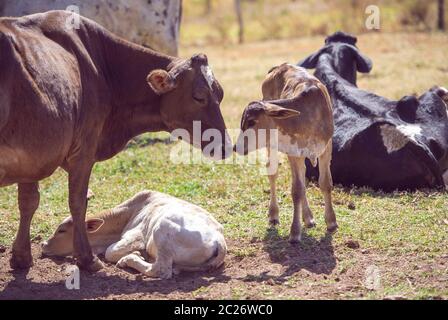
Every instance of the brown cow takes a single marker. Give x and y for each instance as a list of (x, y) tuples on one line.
[(297, 106), (72, 97)]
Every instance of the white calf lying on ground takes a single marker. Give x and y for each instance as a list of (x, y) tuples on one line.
[(177, 234)]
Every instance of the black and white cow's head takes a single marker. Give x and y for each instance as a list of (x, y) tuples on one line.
[(420, 125), (404, 143), (346, 59)]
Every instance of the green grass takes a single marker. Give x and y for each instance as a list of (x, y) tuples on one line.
[(396, 224)]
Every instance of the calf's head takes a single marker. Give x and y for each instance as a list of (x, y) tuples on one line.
[(190, 94), (260, 115), (61, 242), (341, 54), (282, 79)]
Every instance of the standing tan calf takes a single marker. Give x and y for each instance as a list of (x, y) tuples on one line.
[(298, 105)]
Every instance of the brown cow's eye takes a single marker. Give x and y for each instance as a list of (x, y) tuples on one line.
[(200, 100), (251, 123), (61, 231)]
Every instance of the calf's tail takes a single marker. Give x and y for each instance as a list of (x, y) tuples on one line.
[(324, 90)]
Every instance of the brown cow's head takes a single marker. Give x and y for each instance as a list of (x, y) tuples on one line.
[(190, 93)]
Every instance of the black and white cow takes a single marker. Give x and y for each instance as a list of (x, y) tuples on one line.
[(378, 142)]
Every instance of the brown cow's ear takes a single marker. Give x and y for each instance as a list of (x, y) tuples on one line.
[(278, 112), (94, 224), (160, 81)]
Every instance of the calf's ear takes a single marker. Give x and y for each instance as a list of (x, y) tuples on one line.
[(94, 224), (277, 112), (161, 81)]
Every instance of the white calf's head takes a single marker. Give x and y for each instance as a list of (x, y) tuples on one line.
[(61, 242)]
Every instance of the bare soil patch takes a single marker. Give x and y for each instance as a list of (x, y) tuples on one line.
[(254, 270)]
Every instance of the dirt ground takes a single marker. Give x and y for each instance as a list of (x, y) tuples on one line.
[(271, 270)]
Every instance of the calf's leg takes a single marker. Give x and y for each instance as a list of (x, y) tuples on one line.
[(162, 237), (131, 241), (298, 196), (78, 177), (274, 218), (326, 186), (273, 203), (162, 268), (308, 218), (28, 198)]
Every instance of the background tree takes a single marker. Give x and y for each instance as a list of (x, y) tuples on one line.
[(441, 15), (239, 15), (208, 7)]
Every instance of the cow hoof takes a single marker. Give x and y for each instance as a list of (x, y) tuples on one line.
[(93, 266), (310, 224), (122, 263), (332, 228), (18, 262), (274, 222), (294, 239)]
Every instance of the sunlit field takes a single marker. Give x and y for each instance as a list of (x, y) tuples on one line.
[(403, 236)]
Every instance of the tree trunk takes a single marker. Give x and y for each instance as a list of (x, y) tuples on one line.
[(441, 15), (239, 14), (208, 7)]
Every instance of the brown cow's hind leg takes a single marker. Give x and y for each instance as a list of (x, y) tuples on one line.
[(28, 198)]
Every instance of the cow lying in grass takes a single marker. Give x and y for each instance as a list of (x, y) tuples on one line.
[(172, 231), (380, 143), (298, 105)]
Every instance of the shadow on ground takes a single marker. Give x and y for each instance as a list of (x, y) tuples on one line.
[(47, 280), (315, 256)]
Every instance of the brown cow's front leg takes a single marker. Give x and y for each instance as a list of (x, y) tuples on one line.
[(78, 186), (28, 198)]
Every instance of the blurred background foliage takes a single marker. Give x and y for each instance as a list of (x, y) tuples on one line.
[(216, 22)]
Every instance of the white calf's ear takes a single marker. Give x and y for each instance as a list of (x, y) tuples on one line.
[(94, 224), (160, 81), (278, 112)]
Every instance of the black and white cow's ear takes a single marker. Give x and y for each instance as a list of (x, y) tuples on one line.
[(94, 224), (441, 92), (277, 112), (311, 61), (363, 63), (161, 81), (407, 108)]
